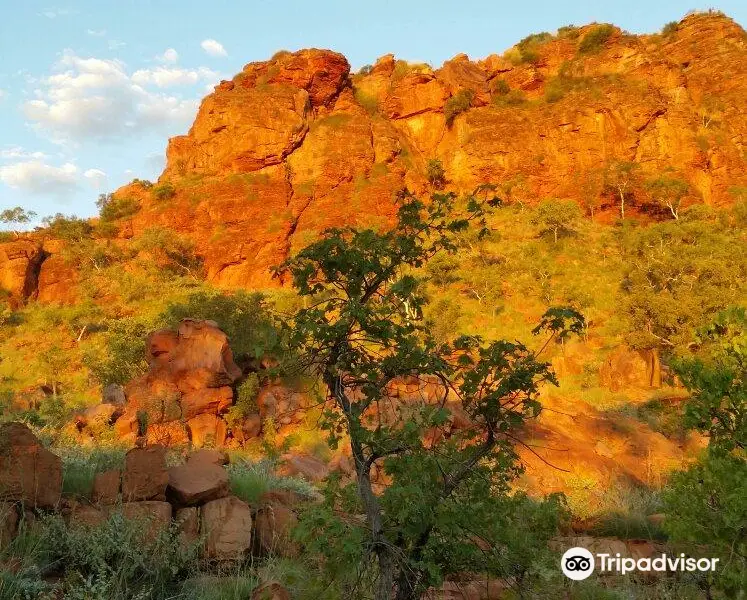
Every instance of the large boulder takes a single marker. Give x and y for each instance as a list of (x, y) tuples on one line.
[(273, 527), (227, 526), (29, 473), (301, 465), (8, 523), (186, 389), (197, 482), (153, 517), (145, 474), (106, 487)]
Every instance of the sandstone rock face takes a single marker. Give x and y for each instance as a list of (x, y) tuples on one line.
[(145, 475), (28, 472), (188, 521), (209, 456), (227, 525), (186, 388), (308, 467), (624, 368), (196, 483), (20, 262), (106, 487), (295, 144)]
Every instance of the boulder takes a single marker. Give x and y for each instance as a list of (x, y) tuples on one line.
[(209, 400), (207, 430), (153, 516), (625, 368), (106, 487), (271, 590), (273, 526), (227, 526), (208, 455), (145, 474), (188, 522), (308, 467), (20, 261), (8, 523), (29, 473), (85, 515), (197, 482), (281, 404)]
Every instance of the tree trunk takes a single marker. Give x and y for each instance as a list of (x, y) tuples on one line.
[(622, 205), (555, 233), (655, 362)]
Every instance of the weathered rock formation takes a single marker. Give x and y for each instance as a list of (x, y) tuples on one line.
[(296, 144), (186, 389)]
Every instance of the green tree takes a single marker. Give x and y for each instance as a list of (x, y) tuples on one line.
[(679, 275), (361, 332), (16, 216), (668, 192), (113, 209), (559, 217), (169, 251), (435, 173), (620, 177)]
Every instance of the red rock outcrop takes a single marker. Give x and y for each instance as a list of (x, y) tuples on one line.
[(295, 144), (186, 389)]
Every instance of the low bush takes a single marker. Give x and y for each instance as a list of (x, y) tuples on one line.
[(596, 38), (164, 191), (457, 104)]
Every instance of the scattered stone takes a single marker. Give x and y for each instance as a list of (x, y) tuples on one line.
[(196, 483), (29, 472), (145, 474), (227, 525), (106, 487)]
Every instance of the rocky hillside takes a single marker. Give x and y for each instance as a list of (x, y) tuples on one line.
[(297, 143)]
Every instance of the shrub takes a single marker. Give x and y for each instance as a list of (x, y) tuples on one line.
[(69, 229), (557, 217), (164, 191), (457, 104), (596, 38), (246, 400), (568, 31), (250, 480), (113, 209), (529, 46), (501, 87), (368, 101), (670, 28), (365, 70), (435, 173)]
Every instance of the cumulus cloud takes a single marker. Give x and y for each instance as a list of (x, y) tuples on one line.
[(93, 98), (38, 177), (96, 177), (17, 152), (213, 48), (53, 13), (170, 56), (96, 32), (171, 76)]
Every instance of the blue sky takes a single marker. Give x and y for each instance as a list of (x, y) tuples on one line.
[(90, 91)]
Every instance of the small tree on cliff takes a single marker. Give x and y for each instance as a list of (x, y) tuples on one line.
[(668, 193), (620, 177), (16, 216), (558, 217), (446, 507)]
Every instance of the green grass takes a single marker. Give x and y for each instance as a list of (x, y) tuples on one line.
[(250, 480), (80, 465)]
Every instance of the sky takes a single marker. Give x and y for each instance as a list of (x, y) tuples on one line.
[(91, 90)]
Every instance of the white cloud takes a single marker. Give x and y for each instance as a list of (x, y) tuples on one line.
[(116, 44), (169, 76), (97, 98), (213, 48), (96, 32), (53, 13), (37, 177), (3, 93), (170, 56), (17, 152), (96, 177)]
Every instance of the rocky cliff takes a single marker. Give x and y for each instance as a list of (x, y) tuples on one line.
[(297, 143)]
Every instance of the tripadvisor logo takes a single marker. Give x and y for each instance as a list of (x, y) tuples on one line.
[(579, 563)]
